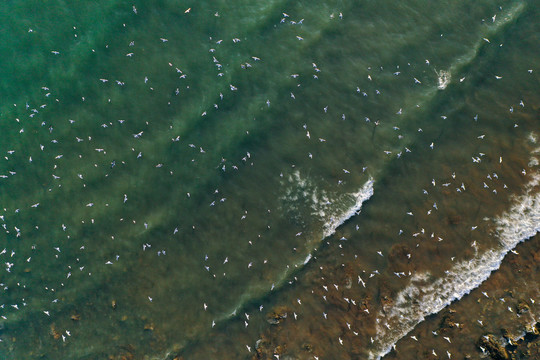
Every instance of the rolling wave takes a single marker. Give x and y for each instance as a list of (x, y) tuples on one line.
[(423, 296)]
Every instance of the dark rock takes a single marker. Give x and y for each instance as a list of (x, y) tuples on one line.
[(495, 349), (277, 315), (447, 321), (522, 307)]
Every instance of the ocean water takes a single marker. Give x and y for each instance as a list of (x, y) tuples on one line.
[(268, 179)]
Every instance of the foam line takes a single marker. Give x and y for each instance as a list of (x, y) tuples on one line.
[(359, 198), (423, 297), (320, 209)]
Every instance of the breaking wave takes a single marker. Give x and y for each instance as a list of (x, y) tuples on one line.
[(423, 297), (336, 219), (443, 79), (303, 192), (305, 201)]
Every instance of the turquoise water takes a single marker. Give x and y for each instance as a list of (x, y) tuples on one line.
[(175, 174)]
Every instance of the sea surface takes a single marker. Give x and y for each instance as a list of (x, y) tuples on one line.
[(269, 179)]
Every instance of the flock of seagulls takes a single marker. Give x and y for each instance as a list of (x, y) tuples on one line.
[(492, 183)]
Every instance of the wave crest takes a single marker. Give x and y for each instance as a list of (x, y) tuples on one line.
[(423, 297)]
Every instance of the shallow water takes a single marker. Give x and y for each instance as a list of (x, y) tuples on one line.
[(220, 179)]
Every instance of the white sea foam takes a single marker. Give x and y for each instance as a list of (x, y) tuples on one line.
[(424, 296), (303, 198), (443, 78), (337, 219), (331, 210)]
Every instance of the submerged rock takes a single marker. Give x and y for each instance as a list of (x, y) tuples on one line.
[(277, 315), (522, 307), (496, 350), (448, 321)]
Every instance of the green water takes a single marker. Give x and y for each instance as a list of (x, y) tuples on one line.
[(166, 173)]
